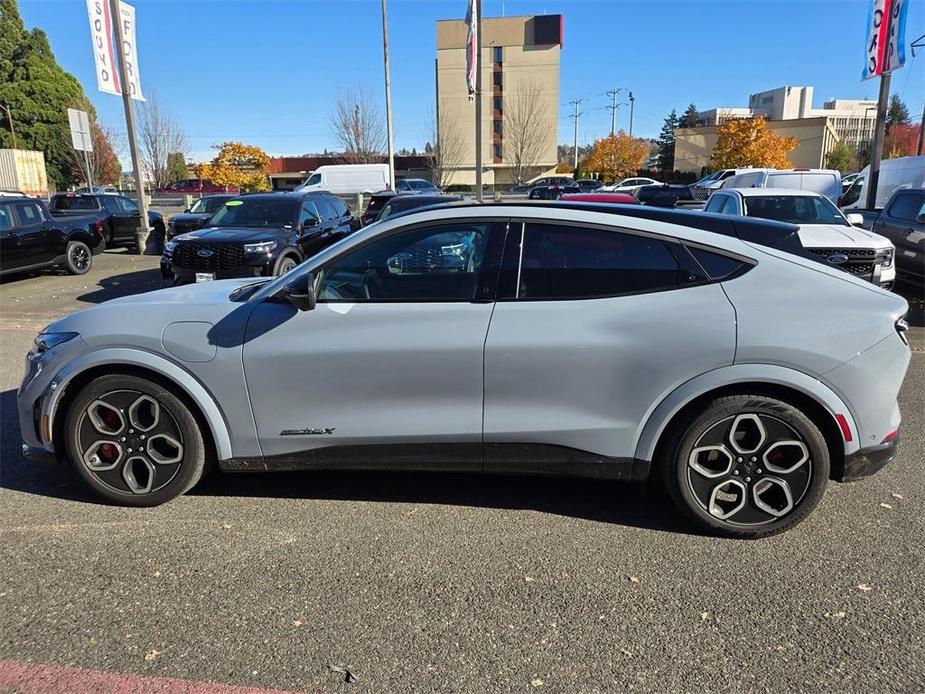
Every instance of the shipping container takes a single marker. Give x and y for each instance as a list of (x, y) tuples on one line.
[(23, 170)]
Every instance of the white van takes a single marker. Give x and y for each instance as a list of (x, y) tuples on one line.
[(901, 172), (826, 182), (346, 179)]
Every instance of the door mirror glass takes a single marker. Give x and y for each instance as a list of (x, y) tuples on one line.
[(300, 293), (855, 219)]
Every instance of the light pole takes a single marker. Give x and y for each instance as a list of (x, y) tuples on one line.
[(388, 95), (632, 104)]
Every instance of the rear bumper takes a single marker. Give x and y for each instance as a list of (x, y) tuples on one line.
[(867, 461)]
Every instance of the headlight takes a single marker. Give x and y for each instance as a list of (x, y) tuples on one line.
[(888, 259), (48, 341), (263, 247), (170, 246)]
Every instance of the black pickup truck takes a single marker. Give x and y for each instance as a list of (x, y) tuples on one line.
[(119, 215), (902, 221), (32, 239)]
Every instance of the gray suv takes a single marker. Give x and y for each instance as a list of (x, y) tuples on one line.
[(558, 338)]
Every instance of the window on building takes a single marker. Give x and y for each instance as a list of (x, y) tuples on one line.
[(497, 51), (497, 79), (497, 126), (498, 152), (497, 103)]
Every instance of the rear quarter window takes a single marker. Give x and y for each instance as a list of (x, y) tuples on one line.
[(716, 265)]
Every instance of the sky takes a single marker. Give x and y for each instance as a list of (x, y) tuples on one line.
[(267, 72)]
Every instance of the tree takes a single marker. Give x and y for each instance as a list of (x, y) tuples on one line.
[(527, 131), (159, 136), (616, 156), (237, 164), (840, 158), (896, 112), (38, 93), (690, 118), (357, 126), (901, 141), (666, 142), (750, 142), (448, 150), (176, 167)]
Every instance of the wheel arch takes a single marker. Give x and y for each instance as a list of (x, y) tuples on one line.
[(132, 363), (811, 396)]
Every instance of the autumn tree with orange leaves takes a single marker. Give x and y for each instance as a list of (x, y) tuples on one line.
[(616, 156), (750, 142), (237, 164)]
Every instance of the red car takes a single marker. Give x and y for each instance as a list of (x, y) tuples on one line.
[(621, 198), (195, 186)]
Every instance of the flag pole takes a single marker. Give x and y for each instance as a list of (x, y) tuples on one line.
[(873, 176), (478, 100), (388, 95), (141, 234)]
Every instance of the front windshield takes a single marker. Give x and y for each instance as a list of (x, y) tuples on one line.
[(206, 205), (796, 209), (708, 179), (256, 212), (420, 184)]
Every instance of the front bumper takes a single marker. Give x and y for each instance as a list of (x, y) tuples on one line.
[(867, 461), (172, 273)]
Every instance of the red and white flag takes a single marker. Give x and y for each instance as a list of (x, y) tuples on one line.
[(107, 72), (472, 46)]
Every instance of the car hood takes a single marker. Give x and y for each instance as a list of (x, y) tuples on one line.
[(234, 234), (838, 236)]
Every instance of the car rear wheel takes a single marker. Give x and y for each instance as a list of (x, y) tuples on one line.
[(78, 259), (748, 466), (133, 441)]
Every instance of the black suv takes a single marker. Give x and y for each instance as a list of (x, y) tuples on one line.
[(260, 234), (195, 216), (31, 239)]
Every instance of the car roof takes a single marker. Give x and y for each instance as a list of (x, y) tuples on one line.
[(768, 192)]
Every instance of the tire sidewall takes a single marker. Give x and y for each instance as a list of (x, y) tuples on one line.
[(283, 259), (192, 466), (730, 407), (72, 246)]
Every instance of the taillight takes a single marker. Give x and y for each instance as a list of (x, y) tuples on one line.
[(98, 229), (902, 327), (845, 429), (891, 436)]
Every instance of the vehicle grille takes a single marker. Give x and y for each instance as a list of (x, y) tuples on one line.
[(862, 262), (701, 193), (223, 257)]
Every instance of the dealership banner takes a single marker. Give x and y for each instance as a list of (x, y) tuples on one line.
[(130, 50), (472, 46), (107, 72), (886, 37)]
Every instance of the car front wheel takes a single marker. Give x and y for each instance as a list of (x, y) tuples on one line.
[(748, 466), (78, 258), (133, 441)]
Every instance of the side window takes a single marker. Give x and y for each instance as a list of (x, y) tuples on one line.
[(111, 204), (6, 218), (716, 265), (128, 205), (904, 206), (564, 262), (308, 215), (28, 213), (727, 174), (313, 180), (715, 203), (340, 207), (731, 206), (439, 263), (326, 209)]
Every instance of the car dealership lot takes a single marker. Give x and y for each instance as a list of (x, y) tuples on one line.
[(448, 582)]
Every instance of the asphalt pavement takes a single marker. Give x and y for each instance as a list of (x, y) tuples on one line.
[(438, 582)]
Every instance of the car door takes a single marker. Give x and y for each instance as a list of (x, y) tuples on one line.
[(387, 368), (901, 223), (329, 221), (310, 228), (33, 241), (591, 329), (9, 252), (126, 221)]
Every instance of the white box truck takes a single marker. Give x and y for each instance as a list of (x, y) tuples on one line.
[(23, 171), (347, 179), (901, 172)]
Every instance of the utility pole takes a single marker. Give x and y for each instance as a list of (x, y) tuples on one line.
[(918, 149), (576, 104), (388, 95), (478, 100), (9, 119), (613, 107), (632, 104), (141, 234)]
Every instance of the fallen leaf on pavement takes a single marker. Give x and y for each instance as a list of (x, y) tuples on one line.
[(626, 652), (897, 496), (296, 622), (348, 676), (529, 579), (704, 616), (865, 587), (634, 579), (152, 654), (883, 505), (536, 682)]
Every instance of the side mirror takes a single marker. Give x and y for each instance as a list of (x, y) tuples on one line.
[(855, 219), (186, 211), (301, 292)]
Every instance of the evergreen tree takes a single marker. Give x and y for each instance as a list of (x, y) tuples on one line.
[(896, 112), (176, 167), (38, 92), (690, 118), (665, 143)]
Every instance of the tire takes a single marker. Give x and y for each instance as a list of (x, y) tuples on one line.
[(285, 263), (748, 466), (78, 258), (110, 449)]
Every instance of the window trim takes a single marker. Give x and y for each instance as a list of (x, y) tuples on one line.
[(487, 277), (680, 243)]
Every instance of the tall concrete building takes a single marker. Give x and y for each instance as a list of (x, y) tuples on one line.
[(520, 97)]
